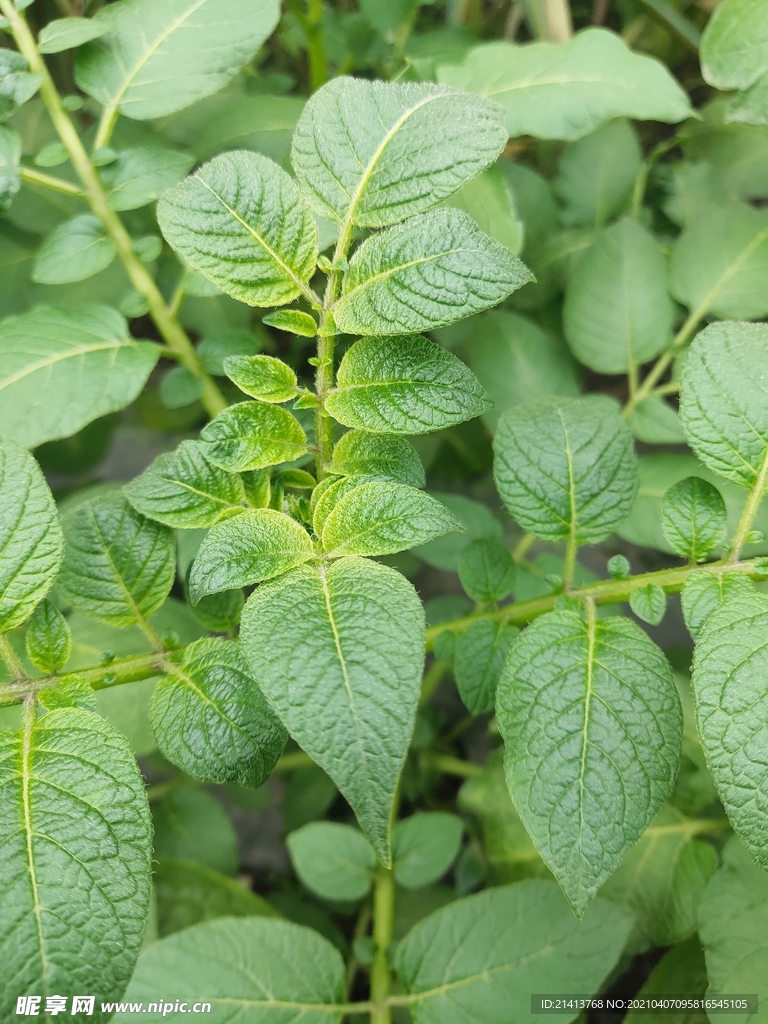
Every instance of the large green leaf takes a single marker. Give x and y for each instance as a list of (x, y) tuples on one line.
[(211, 720), (156, 59), (566, 90), (733, 926), (31, 541), (592, 724), (257, 970), (374, 153), (62, 368), (729, 669), (723, 401), (338, 651), (595, 174), (481, 958), (734, 47), (335, 861), (720, 263), (252, 435), (566, 467), (618, 313), (76, 840), (404, 385), (436, 268), (118, 566), (241, 222)]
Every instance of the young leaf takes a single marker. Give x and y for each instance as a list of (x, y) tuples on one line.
[(388, 457), (404, 385), (211, 720), (487, 571), (383, 517), (595, 175), (338, 651), (140, 176), (480, 958), (592, 725), (191, 824), (252, 435), (729, 668), (76, 249), (241, 222), (77, 843), (247, 549), (375, 153), (335, 861), (31, 541), (566, 466), (118, 566), (424, 846), (155, 59), (48, 639), (10, 160), (617, 312), (722, 401), (293, 321), (478, 660), (327, 494), (275, 970), (704, 592), (183, 490), (693, 518), (262, 377), (68, 33), (649, 604), (17, 85), (434, 269), (62, 368), (552, 91)]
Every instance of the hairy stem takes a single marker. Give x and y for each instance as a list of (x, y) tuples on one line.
[(749, 512), (168, 326), (383, 923), (11, 659)]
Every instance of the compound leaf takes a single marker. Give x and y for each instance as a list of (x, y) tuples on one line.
[(335, 861), (252, 435), (359, 453), (424, 846), (693, 518)]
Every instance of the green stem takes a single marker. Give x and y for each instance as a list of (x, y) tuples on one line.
[(432, 679), (662, 363), (48, 181), (523, 546), (318, 66), (383, 926), (549, 20), (170, 329), (10, 658), (450, 765), (571, 551), (641, 181), (750, 511)]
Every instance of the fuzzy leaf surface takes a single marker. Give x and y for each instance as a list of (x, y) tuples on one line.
[(262, 377), (693, 518), (477, 663), (360, 453), (48, 639), (704, 592), (252, 435)]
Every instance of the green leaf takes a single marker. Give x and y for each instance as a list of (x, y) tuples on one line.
[(655, 421), (490, 202), (327, 494), (388, 457), (335, 861), (487, 571), (157, 59), (241, 222), (246, 549), (31, 541), (190, 893), (424, 846), (693, 518), (293, 321), (649, 604), (704, 592), (211, 719), (592, 725), (68, 33), (719, 263), (339, 649), (682, 969), (734, 47), (184, 490), (191, 824), (479, 523), (214, 349), (252, 435), (75, 250), (662, 879), (262, 970), (375, 153), (566, 466), (76, 841), (180, 388), (220, 613), (118, 566), (566, 90), (48, 639), (596, 174), (140, 176), (10, 158), (436, 268), (17, 85), (480, 958), (262, 377), (733, 923), (60, 369), (404, 385), (723, 406), (71, 692), (478, 660), (517, 362), (618, 313), (383, 517), (729, 668)]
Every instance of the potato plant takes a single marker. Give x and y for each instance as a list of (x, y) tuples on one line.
[(322, 258)]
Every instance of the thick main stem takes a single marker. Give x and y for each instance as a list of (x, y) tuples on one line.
[(171, 330), (383, 926)]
